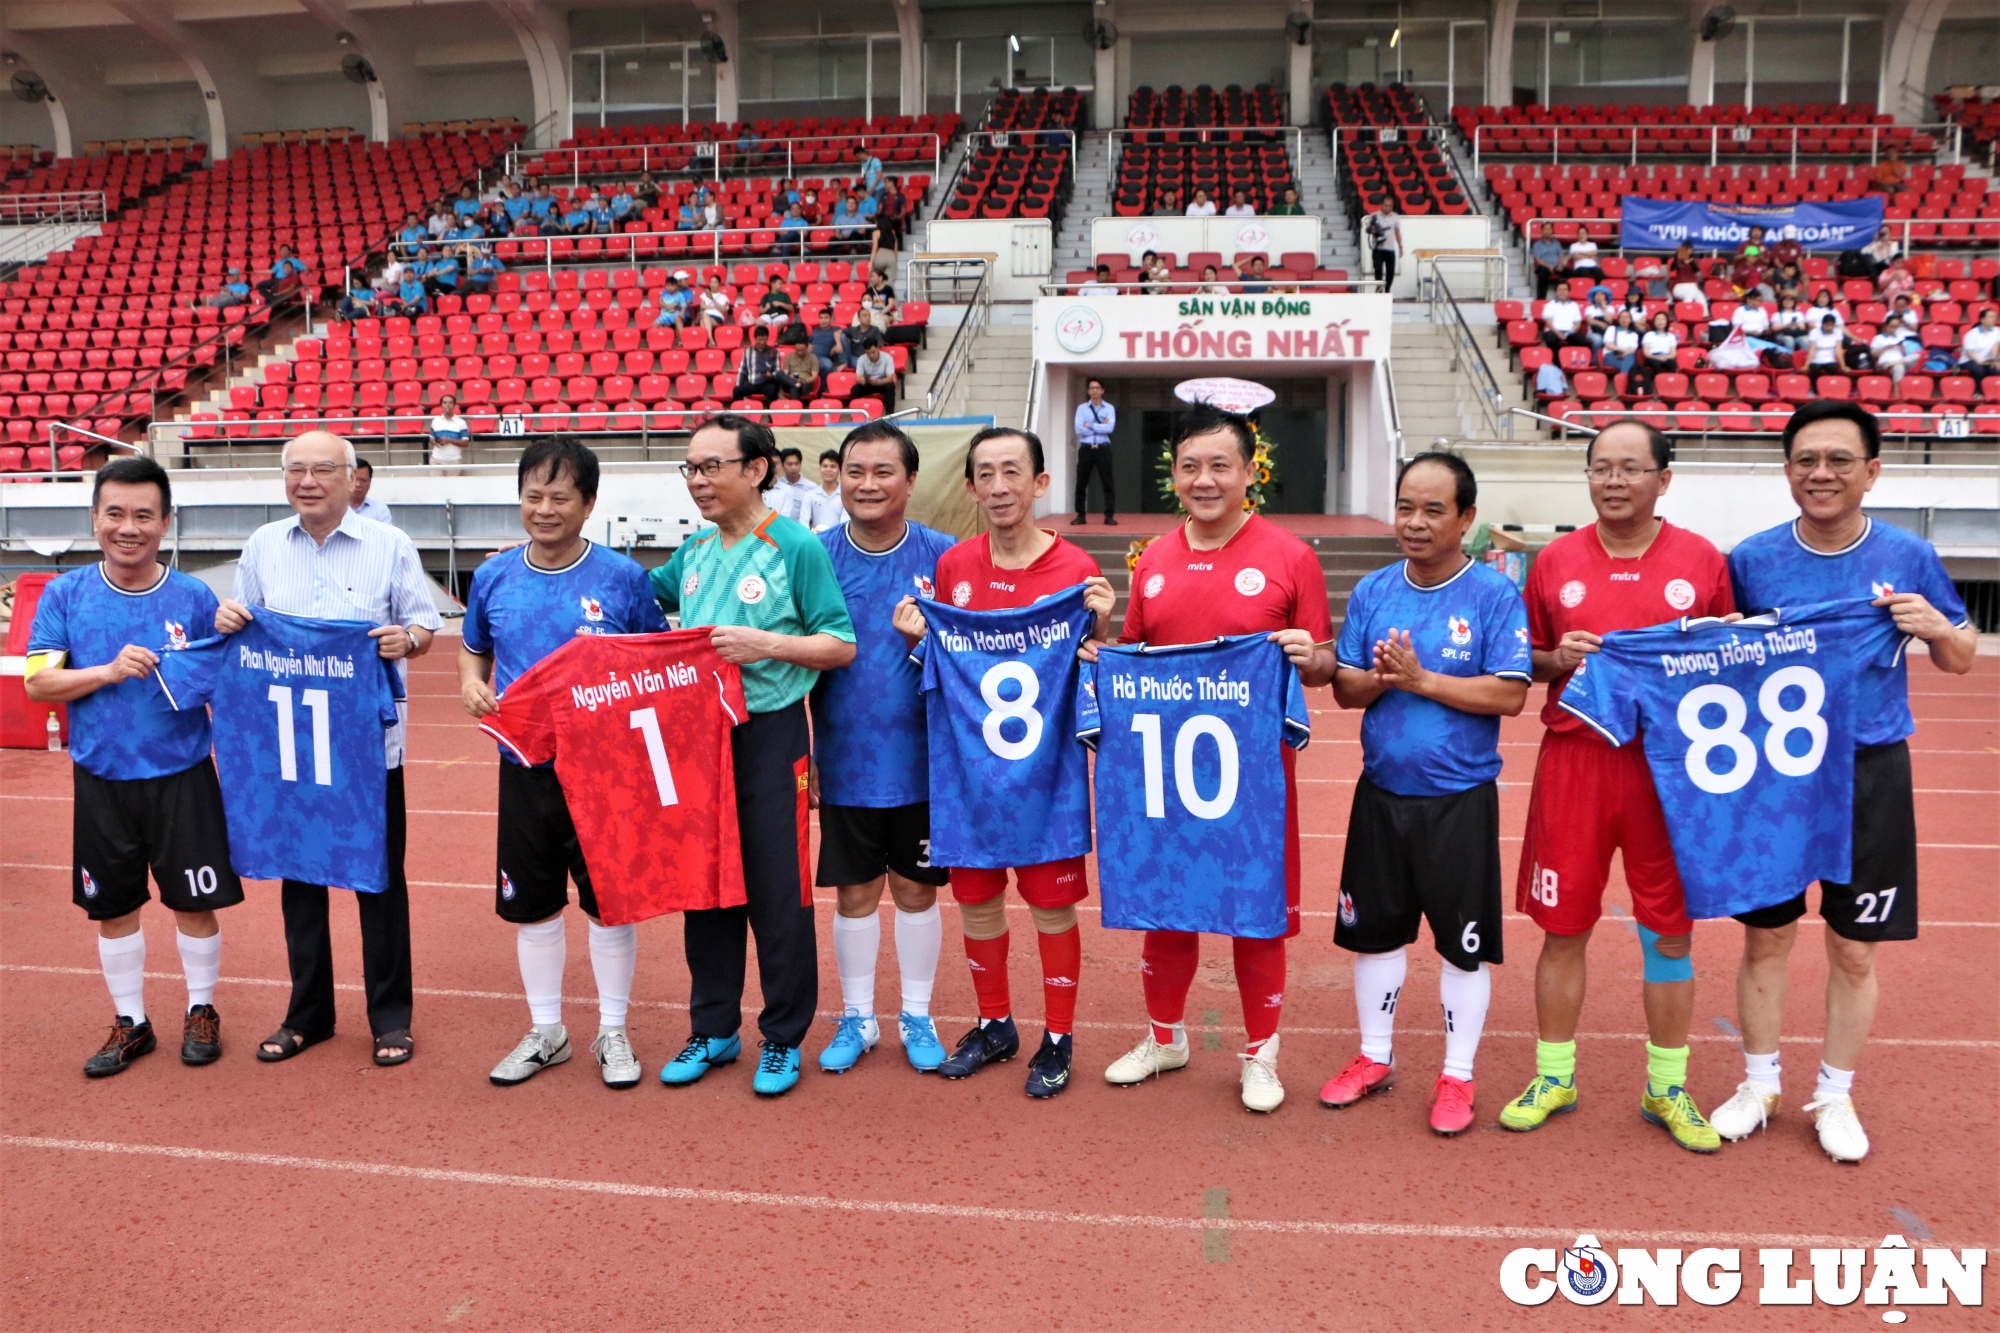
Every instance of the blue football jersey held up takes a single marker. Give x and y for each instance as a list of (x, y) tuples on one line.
[(1009, 784), (125, 731), (868, 718), (1775, 568), (1472, 624), (1190, 783), (1749, 732), (299, 705)]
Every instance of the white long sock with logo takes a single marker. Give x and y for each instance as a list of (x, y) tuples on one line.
[(124, 964), (857, 941), (919, 942), (1466, 996), (614, 957), (1378, 985), (543, 949)]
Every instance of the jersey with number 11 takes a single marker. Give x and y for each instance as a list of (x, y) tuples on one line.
[(1749, 731), (639, 728)]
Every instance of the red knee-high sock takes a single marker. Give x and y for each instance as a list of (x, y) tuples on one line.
[(1062, 959), (1260, 979), (988, 961), (1166, 968)]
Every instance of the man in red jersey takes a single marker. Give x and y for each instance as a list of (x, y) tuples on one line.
[(1628, 570), (1225, 571), (1015, 564)]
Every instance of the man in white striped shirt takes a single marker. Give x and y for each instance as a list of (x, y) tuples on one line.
[(329, 561)]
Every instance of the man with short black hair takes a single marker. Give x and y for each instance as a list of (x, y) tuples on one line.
[(791, 494), (1095, 421), (145, 789), (364, 478), (824, 510)]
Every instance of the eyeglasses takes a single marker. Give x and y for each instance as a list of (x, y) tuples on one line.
[(1605, 472), (319, 471), (1840, 465), (709, 467)]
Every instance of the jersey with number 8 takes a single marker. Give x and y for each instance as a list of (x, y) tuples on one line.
[(1749, 732), (639, 728)]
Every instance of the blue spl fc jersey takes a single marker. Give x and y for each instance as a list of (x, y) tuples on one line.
[(125, 731), (1009, 784), (300, 705), (520, 613), (1190, 783), (868, 718), (1775, 568), (1750, 734), (1472, 624)]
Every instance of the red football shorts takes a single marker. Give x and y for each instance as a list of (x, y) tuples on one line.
[(1591, 799), (1050, 884)]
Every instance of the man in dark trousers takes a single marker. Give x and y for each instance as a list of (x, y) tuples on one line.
[(1095, 420)]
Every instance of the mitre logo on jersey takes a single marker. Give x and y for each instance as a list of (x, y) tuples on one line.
[(961, 593), (1250, 582), (1680, 594), (1461, 630), (177, 635), (1154, 584), (1572, 593), (925, 589), (89, 884), (751, 590)]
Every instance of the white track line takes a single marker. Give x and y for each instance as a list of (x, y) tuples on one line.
[(908, 1208), (829, 1015)]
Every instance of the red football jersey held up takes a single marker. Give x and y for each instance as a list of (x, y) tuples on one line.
[(968, 578), (638, 726)]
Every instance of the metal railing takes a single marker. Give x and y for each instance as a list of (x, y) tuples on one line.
[(1880, 139), (958, 353), (1926, 422), (1490, 289), (1028, 399), (931, 274), (1291, 136), (1466, 353), (698, 246), (709, 157), (31, 210)]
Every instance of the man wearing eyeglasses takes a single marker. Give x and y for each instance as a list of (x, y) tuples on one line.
[(1832, 551), (1628, 570), (768, 587), (329, 561)]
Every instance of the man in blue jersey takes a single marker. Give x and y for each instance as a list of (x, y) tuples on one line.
[(145, 791), (1830, 551), (1435, 647), (526, 603), (871, 769)]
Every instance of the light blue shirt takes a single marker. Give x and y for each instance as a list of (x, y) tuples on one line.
[(1095, 422)]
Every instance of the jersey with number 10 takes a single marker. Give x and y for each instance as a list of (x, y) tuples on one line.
[(300, 705), (638, 726), (1191, 792), (1009, 784), (1750, 734)]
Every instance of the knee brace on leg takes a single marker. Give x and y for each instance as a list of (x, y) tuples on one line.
[(1658, 966), (984, 921), (1053, 920)]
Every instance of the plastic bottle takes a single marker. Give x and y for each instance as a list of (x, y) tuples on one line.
[(55, 735)]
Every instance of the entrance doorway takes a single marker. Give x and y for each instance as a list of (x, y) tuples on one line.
[(1296, 423)]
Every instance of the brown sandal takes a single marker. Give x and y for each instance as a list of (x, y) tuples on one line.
[(400, 1039), (290, 1043)]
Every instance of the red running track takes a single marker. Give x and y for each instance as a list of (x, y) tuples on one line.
[(325, 1193)]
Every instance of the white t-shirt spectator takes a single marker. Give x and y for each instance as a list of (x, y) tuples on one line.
[(1583, 253), (448, 437), (823, 511), (715, 304), (1978, 343), (1240, 211), (1887, 347), (1660, 344), (1817, 313), (1201, 208), (1621, 340), (1825, 347), (1562, 316), (1910, 318), (1753, 320)]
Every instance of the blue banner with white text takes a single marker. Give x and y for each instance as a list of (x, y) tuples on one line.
[(1662, 224)]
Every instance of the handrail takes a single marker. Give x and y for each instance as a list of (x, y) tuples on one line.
[(67, 428), (1487, 261), (1395, 413), (1028, 403), (52, 206), (1738, 133), (1466, 353), (1888, 421), (711, 155), (958, 353), (626, 245)]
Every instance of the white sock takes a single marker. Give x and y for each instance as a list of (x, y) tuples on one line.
[(1833, 1084), (544, 950), (1763, 1069), (614, 955), (1465, 996), (919, 941), (856, 942), (201, 964), (1378, 982), (124, 964)]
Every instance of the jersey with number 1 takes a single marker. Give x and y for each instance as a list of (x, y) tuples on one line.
[(1192, 801), (1750, 734), (639, 728), (300, 705), (1009, 785)]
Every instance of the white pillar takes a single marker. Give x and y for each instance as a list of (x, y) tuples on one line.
[(1701, 63), (910, 33), (723, 13), (1909, 33), (1500, 15), (1106, 98), (1301, 82)]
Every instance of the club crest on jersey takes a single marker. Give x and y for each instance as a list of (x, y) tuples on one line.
[(1154, 584), (751, 590), (89, 884), (1586, 1272), (1348, 916), (1461, 630), (591, 610), (1250, 581), (506, 887), (925, 588), (961, 593), (1882, 588), (177, 635), (691, 584), (1572, 593), (1680, 594)]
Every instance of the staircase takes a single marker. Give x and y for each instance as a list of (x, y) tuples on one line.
[(1435, 401), (1090, 197), (995, 384), (1344, 560), (1319, 192)]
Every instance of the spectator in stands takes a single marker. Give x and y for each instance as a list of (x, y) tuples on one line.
[(411, 297), (1905, 315), (823, 508), (1620, 347), (1211, 284), (467, 202), (1881, 251), (1154, 275), (1635, 303), (892, 218), (1788, 324), (1898, 281), (757, 377), (286, 272), (543, 207), (648, 191), (1256, 281), (1201, 206), (777, 308), (1382, 229), (441, 278), (688, 216), (482, 269), (359, 303), (1240, 206), (514, 203), (847, 221), (1657, 348), (1684, 272), (715, 305), (579, 220), (870, 169), (1599, 316), (799, 371), (357, 498), (621, 207), (1169, 202), (1890, 172), (863, 335), (599, 209), (440, 221), (749, 146), (674, 302), (1786, 250), (1894, 350), (793, 220), (1829, 350), (234, 290), (1979, 349), (1551, 261), (875, 374), (1753, 316), (1788, 281), (882, 250), (711, 211), (1753, 247), (1583, 261), (449, 434), (1100, 285), (880, 296), (413, 235), (1747, 274), (495, 222), (791, 494), (1822, 307), (1289, 206), (1562, 323), (809, 206)]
